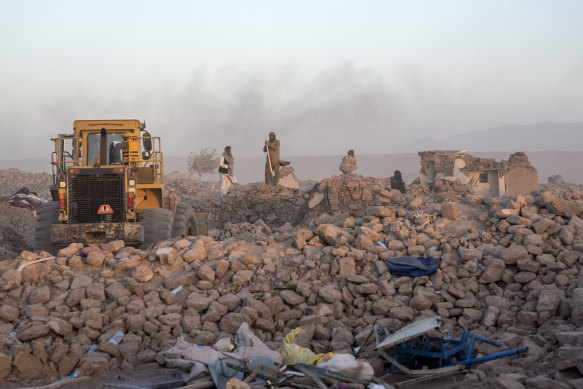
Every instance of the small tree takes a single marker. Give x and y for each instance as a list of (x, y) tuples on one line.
[(205, 161)]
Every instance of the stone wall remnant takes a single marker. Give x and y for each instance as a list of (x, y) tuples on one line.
[(484, 176)]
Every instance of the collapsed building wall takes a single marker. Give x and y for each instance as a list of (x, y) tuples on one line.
[(521, 177), (338, 195), (274, 205), (349, 194), (484, 175)]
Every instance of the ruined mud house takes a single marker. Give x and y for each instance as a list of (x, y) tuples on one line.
[(486, 176)]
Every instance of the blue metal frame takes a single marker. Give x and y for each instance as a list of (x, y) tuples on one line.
[(425, 351)]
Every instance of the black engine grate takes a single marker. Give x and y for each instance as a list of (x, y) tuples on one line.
[(88, 192)]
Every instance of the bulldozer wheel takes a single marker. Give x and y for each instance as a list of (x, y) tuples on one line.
[(157, 224), (184, 221), (47, 216)]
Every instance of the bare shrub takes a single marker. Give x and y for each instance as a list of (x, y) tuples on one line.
[(204, 161)]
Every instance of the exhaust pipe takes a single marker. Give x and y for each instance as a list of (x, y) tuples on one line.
[(103, 148)]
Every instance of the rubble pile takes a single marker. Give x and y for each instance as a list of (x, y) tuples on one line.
[(181, 184), (349, 194), (345, 195), (16, 229), (246, 230), (450, 184), (512, 273), (249, 203), (11, 180), (288, 178)]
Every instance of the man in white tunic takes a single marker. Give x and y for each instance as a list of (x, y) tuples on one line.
[(226, 170)]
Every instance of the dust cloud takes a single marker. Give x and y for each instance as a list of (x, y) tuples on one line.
[(326, 112)]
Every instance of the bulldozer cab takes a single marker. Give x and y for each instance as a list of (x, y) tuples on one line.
[(113, 155)]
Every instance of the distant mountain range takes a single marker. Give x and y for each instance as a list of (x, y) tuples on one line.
[(545, 136)]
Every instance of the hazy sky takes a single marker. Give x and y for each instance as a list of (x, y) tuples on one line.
[(325, 75)]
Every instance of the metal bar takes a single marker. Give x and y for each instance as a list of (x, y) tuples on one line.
[(444, 353), (313, 376), (270, 381), (486, 340), (423, 379), (470, 353), (423, 353), (473, 340), (419, 372), (103, 148), (491, 357), (246, 371), (251, 376), (364, 343), (331, 374)]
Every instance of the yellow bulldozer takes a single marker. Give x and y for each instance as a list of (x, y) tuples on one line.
[(108, 184)]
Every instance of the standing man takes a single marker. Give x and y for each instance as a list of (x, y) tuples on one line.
[(272, 162), (226, 170)]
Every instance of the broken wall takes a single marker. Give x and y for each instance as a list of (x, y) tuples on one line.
[(485, 182), (521, 176), (485, 175), (349, 194), (436, 164), (521, 180)]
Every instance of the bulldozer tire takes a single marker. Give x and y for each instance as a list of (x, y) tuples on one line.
[(157, 223), (47, 216), (184, 221)]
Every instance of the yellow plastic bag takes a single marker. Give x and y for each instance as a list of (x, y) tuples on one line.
[(321, 358), (291, 353)]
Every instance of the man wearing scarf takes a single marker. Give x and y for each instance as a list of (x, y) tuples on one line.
[(226, 169), (272, 162)]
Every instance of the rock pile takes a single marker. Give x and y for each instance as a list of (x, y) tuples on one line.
[(249, 203), (287, 178), (12, 180), (185, 185), (349, 194), (449, 184), (295, 204), (512, 274)]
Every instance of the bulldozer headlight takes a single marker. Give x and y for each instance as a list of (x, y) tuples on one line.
[(62, 184), (132, 182)]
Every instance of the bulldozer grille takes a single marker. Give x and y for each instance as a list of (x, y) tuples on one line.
[(88, 192)]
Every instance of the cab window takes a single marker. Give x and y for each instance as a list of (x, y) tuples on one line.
[(94, 145)]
